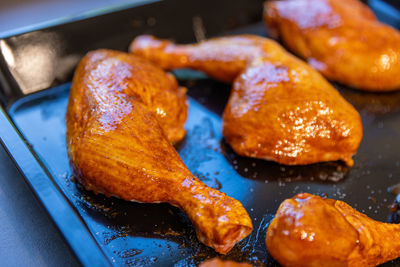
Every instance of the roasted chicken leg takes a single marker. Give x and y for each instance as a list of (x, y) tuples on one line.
[(280, 109), (340, 38), (123, 113), (311, 231)]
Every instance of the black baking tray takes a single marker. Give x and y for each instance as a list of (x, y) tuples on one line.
[(36, 71)]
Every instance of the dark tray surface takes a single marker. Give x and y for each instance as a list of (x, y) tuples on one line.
[(161, 235)]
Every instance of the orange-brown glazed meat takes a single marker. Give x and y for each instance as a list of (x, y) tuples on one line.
[(280, 109), (123, 113), (311, 231), (220, 263), (340, 38)]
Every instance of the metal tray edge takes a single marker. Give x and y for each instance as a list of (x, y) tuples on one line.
[(72, 18), (67, 220)]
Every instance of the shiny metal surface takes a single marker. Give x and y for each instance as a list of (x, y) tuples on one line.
[(28, 235)]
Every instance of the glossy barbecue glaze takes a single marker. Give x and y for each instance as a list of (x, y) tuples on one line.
[(121, 113), (311, 231), (280, 109), (220, 263), (340, 38)]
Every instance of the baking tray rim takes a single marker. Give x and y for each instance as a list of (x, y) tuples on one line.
[(69, 223), (96, 12)]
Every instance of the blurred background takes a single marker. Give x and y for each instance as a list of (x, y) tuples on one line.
[(16, 14)]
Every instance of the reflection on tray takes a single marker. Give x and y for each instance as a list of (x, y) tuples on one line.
[(372, 103), (268, 171)]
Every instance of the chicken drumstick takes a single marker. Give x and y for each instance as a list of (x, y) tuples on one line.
[(123, 113), (340, 38), (311, 231), (280, 108)]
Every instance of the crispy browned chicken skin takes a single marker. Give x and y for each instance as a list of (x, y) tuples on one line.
[(311, 231), (340, 38), (280, 109), (122, 114)]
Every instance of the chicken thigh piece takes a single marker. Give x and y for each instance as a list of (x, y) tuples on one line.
[(312, 231), (123, 113), (279, 109), (340, 38)]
